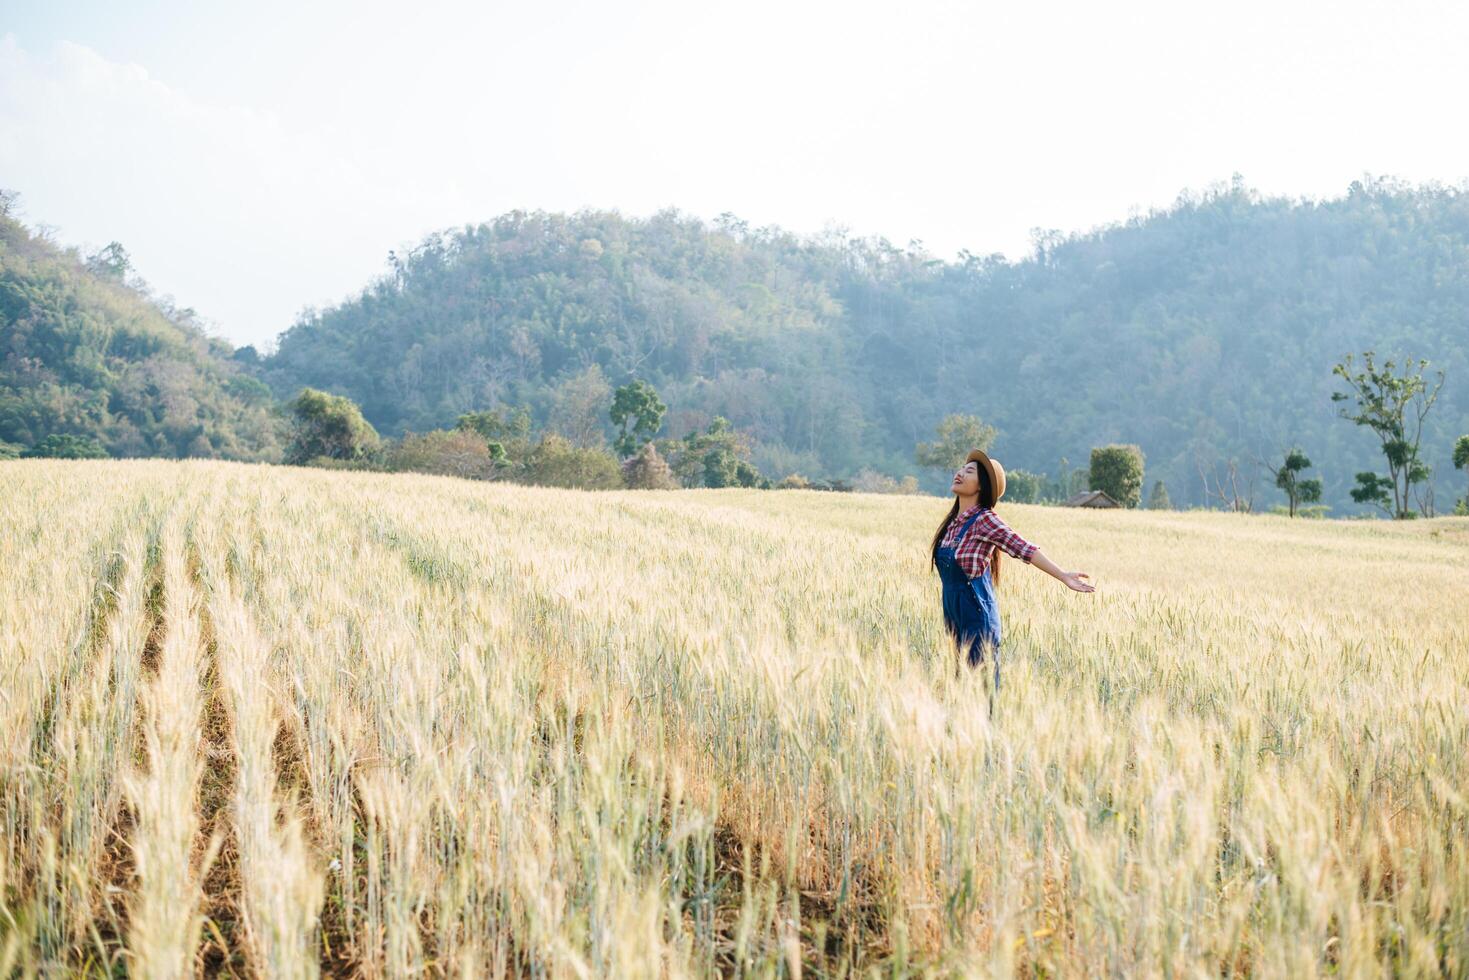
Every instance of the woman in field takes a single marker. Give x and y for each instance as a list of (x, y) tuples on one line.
[(966, 553)]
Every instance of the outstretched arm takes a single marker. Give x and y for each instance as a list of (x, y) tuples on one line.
[(991, 528), (1072, 580)]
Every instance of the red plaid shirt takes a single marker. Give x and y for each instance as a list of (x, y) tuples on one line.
[(985, 535)]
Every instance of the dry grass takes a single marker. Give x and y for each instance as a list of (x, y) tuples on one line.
[(289, 722)]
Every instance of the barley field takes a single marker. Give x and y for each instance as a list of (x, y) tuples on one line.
[(284, 723)]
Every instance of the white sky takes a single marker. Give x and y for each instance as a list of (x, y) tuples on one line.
[(256, 158)]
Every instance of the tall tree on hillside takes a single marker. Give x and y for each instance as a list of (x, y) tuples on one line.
[(1461, 462), (111, 262), (328, 425), (1288, 478), (1393, 405), (1117, 470), (957, 435), (637, 408)]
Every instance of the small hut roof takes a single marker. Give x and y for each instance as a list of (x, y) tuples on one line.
[(1091, 498)]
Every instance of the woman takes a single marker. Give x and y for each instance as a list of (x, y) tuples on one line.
[(964, 552)]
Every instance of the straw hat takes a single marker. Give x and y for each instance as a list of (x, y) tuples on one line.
[(997, 472)]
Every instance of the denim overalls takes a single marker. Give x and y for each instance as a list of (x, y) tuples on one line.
[(971, 614)]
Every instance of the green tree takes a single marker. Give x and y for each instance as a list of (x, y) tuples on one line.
[(638, 410), (1461, 462), (1117, 470), (717, 457), (956, 436), (721, 468), (65, 447), (1288, 478), (1024, 487), (1393, 405), (329, 426), (1158, 499), (1376, 490)]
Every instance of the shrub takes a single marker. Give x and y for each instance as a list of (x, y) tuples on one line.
[(647, 470), (871, 481), (366, 463), (555, 462), (1313, 511), (837, 486), (328, 425), (504, 427), (457, 452), (65, 447)]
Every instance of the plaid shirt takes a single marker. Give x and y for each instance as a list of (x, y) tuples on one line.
[(986, 534)]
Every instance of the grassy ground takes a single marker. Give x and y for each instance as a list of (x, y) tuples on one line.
[(283, 722)]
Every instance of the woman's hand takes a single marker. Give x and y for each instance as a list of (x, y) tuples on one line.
[(1074, 581)]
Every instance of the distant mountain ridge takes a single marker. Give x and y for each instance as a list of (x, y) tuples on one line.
[(1201, 332)]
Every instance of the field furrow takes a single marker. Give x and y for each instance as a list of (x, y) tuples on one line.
[(280, 884)]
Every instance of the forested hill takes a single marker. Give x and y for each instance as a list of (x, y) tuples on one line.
[(87, 355), (1205, 331)]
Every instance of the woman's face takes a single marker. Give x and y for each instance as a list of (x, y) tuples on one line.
[(966, 479)]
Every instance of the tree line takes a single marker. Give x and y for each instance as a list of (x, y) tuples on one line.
[(501, 444), (1203, 333), (498, 444)]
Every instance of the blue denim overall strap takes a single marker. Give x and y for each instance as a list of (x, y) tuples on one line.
[(971, 614)]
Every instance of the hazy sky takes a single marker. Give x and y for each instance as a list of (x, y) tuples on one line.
[(259, 158)]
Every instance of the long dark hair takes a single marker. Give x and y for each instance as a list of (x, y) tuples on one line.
[(986, 500)]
